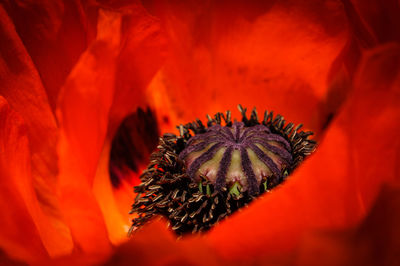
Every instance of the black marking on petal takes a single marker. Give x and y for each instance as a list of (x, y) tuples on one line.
[(135, 139)]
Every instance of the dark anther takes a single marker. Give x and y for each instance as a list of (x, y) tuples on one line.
[(208, 172)]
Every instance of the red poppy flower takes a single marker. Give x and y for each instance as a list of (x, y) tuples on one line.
[(72, 71)]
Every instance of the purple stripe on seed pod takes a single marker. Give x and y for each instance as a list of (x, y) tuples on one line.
[(266, 160), (223, 169), (249, 172)]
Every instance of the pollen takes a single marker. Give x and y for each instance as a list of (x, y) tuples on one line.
[(206, 173)]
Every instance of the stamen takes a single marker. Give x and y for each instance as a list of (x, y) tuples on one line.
[(198, 180)]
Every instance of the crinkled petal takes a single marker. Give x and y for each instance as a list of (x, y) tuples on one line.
[(21, 86), (20, 220), (143, 50), (55, 34), (380, 17), (141, 55), (85, 101), (105, 86)]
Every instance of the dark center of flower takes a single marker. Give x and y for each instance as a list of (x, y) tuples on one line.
[(197, 180), (239, 157)]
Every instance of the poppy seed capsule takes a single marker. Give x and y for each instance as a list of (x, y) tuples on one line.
[(237, 156), (210, 171)]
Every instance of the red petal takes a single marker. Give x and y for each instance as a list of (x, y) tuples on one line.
[(116, 219), (336, 186), (55, 33), (374, 242), (105, 85), (272, 56), (380, 17), (142, 54), (154, 245), (140, 57), (85, 101), (21, 86), (19, 236), (6, 260)]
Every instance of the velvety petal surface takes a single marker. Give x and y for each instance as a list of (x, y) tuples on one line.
[(274, 55), (85, 101), (141, 54), (380, 17), (374, 242), (104, 87), (154, 245), (23, 226), (332, 191), (21, 86), (55, 34), (336, 187)]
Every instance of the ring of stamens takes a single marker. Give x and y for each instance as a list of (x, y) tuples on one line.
[(176, 186)]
